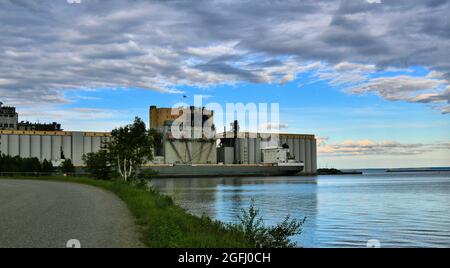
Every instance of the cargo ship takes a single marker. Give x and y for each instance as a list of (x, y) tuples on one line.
[(276, 161), (224, 170)]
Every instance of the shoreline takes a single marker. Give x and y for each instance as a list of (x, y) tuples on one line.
[(334, 171), (394, 170)]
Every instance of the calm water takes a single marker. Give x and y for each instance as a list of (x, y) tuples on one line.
[(399, 210)]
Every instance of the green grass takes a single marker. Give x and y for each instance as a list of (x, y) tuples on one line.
[(162, 223)]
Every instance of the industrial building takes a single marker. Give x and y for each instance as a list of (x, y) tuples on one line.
[(51, 145), (9, 120), (160, 118), (247, 148), (234, 147), (8, 117), (44, 141), (25, 125), (193, 146)]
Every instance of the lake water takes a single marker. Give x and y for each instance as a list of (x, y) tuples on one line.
[(397, 209)]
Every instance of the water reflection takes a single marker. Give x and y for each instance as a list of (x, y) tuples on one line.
[(400, 210), (224, 198)]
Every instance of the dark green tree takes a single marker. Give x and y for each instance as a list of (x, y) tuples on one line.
[(130, 147), (2, 163), (20, 165), (67, 166), (28, 164), (47, 166), (35, 164), (14, 164), (98, 164), (157, 141), (10, 164)]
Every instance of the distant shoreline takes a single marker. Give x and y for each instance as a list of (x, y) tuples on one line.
[(333, 171), (418, 170)]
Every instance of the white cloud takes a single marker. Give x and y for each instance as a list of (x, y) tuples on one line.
[(354, 67), (446, 110), (228, 48), (394, 88), (369, 147), (48, 47), (406, 88), (436, 75)]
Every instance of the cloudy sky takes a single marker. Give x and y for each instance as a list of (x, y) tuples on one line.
[(369, 77)]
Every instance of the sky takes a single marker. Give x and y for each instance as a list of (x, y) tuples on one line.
[(370, 78)]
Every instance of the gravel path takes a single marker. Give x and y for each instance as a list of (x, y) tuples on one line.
[(48, 214)]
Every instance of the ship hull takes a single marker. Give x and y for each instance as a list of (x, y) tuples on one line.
[(189, 171)]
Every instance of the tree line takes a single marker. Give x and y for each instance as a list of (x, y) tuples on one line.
[(17, 164)]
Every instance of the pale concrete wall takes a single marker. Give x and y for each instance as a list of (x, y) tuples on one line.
[(96, 143), (296, 149), (258, 155), (67, 146), (251, 151), (13, 145), (290, 143), (56, 147), (302, 150), (36, 146), (77, 148), (242, 144), (48, 146), (4, 144), (25, 141), (314, 156), (308, 159), (87, 145), (229, 155)]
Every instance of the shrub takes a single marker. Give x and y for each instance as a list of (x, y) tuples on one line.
[(27, 164), (67, 166), (261, 236), (97, 165), (18, 164), (47, 166)]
